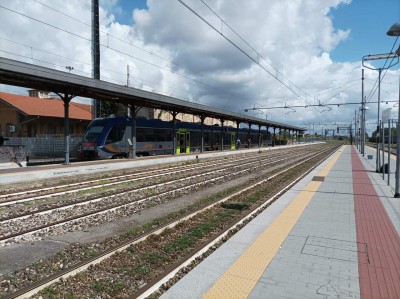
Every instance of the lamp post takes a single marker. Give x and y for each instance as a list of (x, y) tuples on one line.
[(379, 57), (69, 68), (395, 31)]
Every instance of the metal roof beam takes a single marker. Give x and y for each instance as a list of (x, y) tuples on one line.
[(23, 74)]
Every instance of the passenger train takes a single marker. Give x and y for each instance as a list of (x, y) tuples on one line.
[(109, 137)]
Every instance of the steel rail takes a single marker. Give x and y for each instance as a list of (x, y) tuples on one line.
[(154, 285), (43, 228)]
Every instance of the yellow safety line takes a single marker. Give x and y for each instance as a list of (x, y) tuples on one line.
[(243, 274)]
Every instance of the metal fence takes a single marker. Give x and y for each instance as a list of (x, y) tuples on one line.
[(50, 148)]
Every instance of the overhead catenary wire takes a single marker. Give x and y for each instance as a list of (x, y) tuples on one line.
[(249, 56), (45, 23), (375, 87), (107, 46), (236, 46), (311, 105), (259, 55), (124, 41)]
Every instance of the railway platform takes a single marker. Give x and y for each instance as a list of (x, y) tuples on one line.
[(335, 234)]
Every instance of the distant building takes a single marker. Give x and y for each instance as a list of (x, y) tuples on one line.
[(151, 113), (39, 114), (186, 117)]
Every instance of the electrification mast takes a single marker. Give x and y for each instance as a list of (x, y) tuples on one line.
[(96, 52)]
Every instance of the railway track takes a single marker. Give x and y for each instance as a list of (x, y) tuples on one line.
[(42, 221), (273, 185), (76, 187), (41, 193)]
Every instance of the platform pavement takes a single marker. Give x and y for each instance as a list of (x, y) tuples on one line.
[(384, 190), (318, 258), (370, 158)]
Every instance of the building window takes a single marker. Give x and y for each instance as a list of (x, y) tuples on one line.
[(51, 129), (31, 130)]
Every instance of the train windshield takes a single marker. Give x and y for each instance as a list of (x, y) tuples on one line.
[(94, 130)]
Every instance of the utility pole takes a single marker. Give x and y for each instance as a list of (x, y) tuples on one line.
[(355, 128), (362, 114), (127, 75), (128, 110), (379, 57), (96, 52)]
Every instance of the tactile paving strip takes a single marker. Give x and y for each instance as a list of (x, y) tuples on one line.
[(242, 276)]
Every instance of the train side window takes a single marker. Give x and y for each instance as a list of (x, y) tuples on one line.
[(149, 135), (139, 135), (160, 135), (116, 134)]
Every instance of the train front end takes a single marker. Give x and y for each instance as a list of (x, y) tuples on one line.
[(92, 140), (105, 138)]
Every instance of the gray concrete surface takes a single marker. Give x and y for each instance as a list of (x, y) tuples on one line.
[(200, 279)]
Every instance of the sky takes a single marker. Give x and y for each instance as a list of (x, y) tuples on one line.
[(284, 55)]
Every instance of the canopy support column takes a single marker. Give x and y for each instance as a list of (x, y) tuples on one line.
[(174, 114), (202, 118), (222, 134), (66, 98), (273, 137), (133, 111)]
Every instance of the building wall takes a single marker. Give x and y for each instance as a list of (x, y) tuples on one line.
[(166, 116), (41, 126), (8, 116), (33, 126)]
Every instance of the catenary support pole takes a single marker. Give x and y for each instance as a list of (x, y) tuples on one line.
[(363, 114), (389, 149), (378, 135), (383, 149), (397, 174), (96, 52)]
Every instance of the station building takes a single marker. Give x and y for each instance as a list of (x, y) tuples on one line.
[(39, 114)]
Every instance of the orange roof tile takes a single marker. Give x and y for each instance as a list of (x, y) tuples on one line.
[(46, 107)]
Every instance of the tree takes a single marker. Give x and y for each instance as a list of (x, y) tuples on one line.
[(108, 108)]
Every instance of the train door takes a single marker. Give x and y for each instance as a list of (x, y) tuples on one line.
[(233, 141), (183, 142)]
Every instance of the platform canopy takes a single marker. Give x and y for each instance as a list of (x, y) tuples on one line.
[(17, 73)]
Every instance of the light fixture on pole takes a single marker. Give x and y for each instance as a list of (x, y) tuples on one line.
[(379, 57), (69, 68), (395, 31)]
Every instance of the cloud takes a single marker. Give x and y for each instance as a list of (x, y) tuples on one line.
[(171, 51)]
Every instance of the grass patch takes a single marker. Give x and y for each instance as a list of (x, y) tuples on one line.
[(179, 244), (142, 270), (90, 253), (153, 257), (50, 292), (118, 285), (201, 230), (131, 250), (98, 287)]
